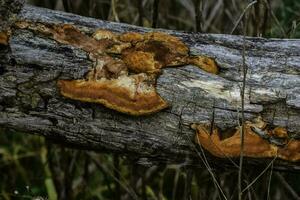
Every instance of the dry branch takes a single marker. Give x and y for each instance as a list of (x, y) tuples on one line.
[(31, 64)]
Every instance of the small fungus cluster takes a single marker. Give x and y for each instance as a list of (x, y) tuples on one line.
[(260, 141), (125, 67)]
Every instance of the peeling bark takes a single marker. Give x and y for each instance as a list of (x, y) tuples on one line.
[(31, 64)]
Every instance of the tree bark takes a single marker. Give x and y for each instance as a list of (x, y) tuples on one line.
[(31, 64)]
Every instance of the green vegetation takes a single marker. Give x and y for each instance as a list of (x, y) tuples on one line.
[(32, 168)]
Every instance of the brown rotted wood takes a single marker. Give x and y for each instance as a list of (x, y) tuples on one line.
[(31, 64)]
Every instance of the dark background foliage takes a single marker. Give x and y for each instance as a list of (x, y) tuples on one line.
[(33, 168)]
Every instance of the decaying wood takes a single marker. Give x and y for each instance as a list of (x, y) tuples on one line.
[(31, 64)]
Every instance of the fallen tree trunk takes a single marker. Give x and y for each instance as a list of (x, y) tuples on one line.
[(30, 101)]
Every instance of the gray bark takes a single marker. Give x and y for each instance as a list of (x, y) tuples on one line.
[(30, 100)]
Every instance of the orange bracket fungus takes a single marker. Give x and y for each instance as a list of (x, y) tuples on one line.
[(258, 142), (125, 66), (127, 94)]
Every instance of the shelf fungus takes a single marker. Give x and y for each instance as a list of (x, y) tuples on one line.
[(125, 66), (260, 141), (127, 94)]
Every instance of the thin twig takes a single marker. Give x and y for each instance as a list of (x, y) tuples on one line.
[(242, 107), (254, 181), (205, 161), (212, 124), (212, 15), (269, 182), (114, 11), (209, 169), (242, 15), (276, 20), (107, 172)]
